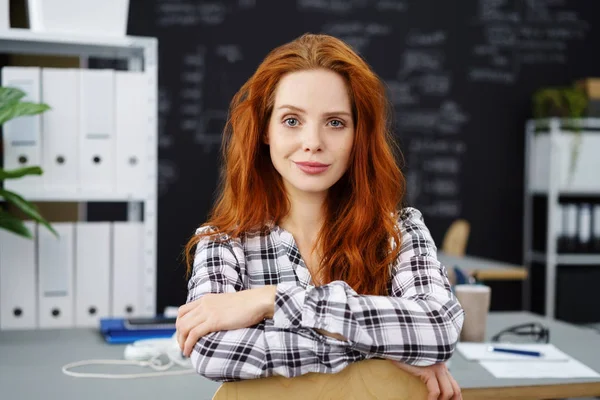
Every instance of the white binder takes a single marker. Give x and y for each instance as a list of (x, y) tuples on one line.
[(22, 135), (60, 90), (132, 93), (92, 273), (18, 304), (55, 271), (127, 244), (97, 131)]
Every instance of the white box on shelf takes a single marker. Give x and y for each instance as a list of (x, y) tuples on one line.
[(23, 135), (92, 272), (132, 94), (4, 15), (127, 269), (584, 178), (97, 144), (88, 17), (60, 90), (18, 300), (55, 276)]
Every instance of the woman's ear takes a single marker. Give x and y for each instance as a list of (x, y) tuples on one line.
[(265, 138)]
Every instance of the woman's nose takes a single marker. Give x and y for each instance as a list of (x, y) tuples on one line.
[(311, 139)]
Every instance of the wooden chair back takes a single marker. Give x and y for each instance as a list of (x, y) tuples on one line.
[(456, 238), (364, 380)]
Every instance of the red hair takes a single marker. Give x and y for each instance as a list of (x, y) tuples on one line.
[(361, 208)]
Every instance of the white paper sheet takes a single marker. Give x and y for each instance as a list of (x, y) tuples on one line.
[(480, 352), (541, 369)]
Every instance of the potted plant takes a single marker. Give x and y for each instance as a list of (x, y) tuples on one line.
[(569, 104), (12, 106)]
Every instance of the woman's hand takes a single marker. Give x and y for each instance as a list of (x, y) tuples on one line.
[(331, 334), (440, 384), (215, 312)]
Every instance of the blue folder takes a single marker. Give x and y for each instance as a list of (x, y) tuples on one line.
[(120, 331)]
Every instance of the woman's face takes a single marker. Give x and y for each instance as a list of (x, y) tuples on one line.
[(311, 130)]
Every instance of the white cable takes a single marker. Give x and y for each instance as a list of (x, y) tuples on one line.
[(154, 363)]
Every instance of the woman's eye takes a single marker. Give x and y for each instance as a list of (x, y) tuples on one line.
[(291, 122), (336, 123)]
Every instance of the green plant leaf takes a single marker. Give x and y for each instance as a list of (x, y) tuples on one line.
[(29, 209), (10, 95), (15, 110), (18, 173), (13, 224)]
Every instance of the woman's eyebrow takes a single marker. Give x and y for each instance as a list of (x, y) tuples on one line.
[(301, 111)]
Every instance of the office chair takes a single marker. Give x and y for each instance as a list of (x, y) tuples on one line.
[(456, 238), (364, 380)]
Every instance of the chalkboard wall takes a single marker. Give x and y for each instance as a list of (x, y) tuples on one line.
[(460, 74)]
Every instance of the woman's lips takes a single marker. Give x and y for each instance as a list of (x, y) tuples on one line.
[(312, 168)]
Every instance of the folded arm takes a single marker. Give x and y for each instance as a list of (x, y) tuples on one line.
[(261, 350), (418, 324)]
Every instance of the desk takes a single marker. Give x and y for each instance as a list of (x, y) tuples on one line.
[(582, 344), (31, 361), (484, 269)]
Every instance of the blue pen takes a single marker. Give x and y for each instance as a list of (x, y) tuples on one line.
[(515, 351)]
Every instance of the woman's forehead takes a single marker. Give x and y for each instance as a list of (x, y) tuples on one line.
[(312, 91)]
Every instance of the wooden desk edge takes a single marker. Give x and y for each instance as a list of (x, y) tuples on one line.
[(512, 274), (580, 389)]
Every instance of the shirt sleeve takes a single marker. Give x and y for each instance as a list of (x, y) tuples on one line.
[(261, 350), (419, 323)]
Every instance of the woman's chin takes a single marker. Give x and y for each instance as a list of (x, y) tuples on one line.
[(312, 188)]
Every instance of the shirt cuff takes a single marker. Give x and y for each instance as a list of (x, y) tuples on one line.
[(323, 306), (289, 302)]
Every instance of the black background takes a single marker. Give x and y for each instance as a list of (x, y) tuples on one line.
[(480, 63)]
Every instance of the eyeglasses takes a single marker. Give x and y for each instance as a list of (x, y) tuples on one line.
[(529, 332)]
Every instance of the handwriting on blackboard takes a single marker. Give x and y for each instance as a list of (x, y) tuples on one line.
[(513, 36), (168, 174), (189, 13), (165, 138), (357, 34), (347, 6), (191, 92), (429, 117)]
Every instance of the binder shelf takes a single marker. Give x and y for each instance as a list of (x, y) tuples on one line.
[(132, 141), (562, 186)]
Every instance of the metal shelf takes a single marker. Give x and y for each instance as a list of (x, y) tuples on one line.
[(551, 159), (24, 41), (575, 192), (141, 54), (567, 259), (582, 123), (83, 197)]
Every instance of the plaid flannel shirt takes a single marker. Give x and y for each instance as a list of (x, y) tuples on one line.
[(418, 323)]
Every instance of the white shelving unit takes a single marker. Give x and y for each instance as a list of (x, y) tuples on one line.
[(548, 155), (141, 55)]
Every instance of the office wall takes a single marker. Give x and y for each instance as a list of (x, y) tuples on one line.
[(460, 74)]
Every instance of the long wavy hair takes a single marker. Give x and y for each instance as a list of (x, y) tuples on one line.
[(361, 209)]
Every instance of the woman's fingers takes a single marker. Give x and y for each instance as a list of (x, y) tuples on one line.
[(426, 375), (185, 324), (186, 308), (439, 382), (192, 338), (445, 385), (455, 388), (433, 387)]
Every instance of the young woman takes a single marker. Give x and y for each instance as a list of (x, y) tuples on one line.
[(307, 263)]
